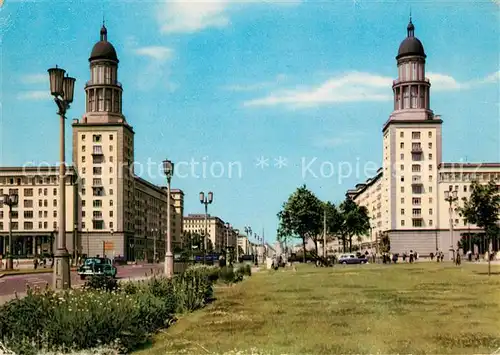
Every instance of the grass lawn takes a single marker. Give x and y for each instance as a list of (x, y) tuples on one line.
[(424, 308)]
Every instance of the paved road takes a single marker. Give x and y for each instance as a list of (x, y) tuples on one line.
[(17, 283)]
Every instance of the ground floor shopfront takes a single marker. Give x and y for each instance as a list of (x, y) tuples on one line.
[(28, 244)]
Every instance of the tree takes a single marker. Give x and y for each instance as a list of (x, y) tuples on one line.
[(355, 221), (482, 208), (384, 243), (301, 216), (334, 221)]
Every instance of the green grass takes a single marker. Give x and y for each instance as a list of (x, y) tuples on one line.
[(424, 308)]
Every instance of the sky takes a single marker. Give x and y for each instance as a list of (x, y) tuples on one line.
[(264, 95)]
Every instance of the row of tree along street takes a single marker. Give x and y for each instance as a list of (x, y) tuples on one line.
[(304, 216)]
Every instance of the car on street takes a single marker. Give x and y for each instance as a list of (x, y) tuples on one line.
[(97, 266), (352, 259)]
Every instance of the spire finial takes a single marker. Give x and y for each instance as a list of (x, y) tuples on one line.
[(411, 28), (104, 32)]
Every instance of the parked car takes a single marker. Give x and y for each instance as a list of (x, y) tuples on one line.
[(97, 266), (352, 259)]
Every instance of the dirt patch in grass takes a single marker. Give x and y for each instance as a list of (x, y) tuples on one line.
[(423, 308)]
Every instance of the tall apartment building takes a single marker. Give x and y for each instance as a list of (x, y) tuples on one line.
[(219, 235), (406, 197), (117, 213), (34, 219)]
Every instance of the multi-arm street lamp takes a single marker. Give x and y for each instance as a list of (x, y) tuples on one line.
[(62, 88), (10, 200), (451, 196), (168, 169), (228, 231), (237, 232), (206, 200)]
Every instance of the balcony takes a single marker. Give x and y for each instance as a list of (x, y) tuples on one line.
[(416, 181), (105, 83), (97, 150), (416, 149)]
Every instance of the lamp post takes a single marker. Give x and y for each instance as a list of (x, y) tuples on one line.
[(451, 196), (206, 200), (237, 232), (168, 169), (62, 88), (228, 229), (75, 237), (154, 231), (10, 200), (248, 232), (88, 244)]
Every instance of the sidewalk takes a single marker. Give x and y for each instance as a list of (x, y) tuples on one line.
[(7, 298)]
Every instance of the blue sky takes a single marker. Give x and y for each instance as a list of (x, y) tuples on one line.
[(231, 81)]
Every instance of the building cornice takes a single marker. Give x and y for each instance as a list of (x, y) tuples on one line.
[(411, 122)]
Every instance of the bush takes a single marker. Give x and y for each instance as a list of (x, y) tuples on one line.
[(226, 274), (248, 270), (102, 283), (101, 314)]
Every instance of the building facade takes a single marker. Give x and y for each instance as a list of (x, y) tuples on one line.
[(35, 218), (406, 197), (219, 234), (115, 212)]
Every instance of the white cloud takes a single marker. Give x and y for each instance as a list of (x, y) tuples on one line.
[(188, 16), (34, 95), (443, 82), (157, 53), (35, 78), (492, 78), (356, 87), (157, 71)]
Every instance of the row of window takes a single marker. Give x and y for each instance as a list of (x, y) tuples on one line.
[(29, 192), (96, 149), (415, 135), (415, 168), (416, 211), (414, 145), (417, 189), (420, 222), (97, 138), (29, 225)]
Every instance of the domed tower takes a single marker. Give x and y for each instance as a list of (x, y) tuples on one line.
[(412, 153), (103, 91), (411, 88), (103, 154)]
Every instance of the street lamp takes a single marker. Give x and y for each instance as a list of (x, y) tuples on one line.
[(237, 232), (168, 169), (154, 232), (206, 200), (62, 88), (10, 200), (451, 196), (75, 237), (228, 229)]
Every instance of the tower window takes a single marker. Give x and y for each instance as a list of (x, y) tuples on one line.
[(415, 135), (100, 100), (116, 104), (107, 100), (91, 103), (107, 75)]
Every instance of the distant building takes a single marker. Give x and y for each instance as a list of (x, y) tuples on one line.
[(219, 235)]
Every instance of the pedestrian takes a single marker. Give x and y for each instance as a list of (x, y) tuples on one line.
[(35, 263), (404, 257), (442, 256), (458, 260), (432, 256), (411, 256)]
